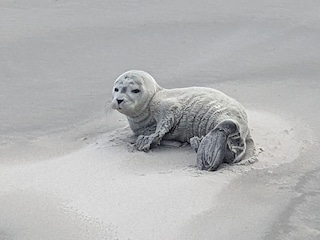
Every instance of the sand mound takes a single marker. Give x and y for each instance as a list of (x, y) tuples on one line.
[(276, 139), (132, 194)]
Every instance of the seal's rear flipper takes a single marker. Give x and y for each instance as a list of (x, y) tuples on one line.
[(213, 149)]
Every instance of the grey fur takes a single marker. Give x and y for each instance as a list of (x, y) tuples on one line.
[(215, 124)]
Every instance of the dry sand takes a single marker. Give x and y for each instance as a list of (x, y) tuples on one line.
[(67, 170)]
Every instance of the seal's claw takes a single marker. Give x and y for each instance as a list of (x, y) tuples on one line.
[(143, 143)]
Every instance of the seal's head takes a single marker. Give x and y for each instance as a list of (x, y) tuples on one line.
[(132, 92)]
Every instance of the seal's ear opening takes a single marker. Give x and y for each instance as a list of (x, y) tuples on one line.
[(195, 143)]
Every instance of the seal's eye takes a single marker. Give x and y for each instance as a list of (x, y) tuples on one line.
[(116, 89), (135, 90)]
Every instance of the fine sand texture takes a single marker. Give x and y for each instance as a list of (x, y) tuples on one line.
[(67, 167)]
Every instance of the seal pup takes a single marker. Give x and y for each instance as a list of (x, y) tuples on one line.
[(213, 123)]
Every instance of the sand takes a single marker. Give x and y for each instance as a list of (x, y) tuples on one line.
[(67, 169)]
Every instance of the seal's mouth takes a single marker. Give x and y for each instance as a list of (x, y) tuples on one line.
[(120, 109), (116, 105), (119, 106)]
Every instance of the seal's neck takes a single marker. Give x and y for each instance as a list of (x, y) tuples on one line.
[(140, 122), (139, 116), (141, 113), (142, 118)]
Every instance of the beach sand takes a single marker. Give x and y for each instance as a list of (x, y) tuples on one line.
[(67, 168)]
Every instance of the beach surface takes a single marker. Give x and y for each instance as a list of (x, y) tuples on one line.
[(67, 168)]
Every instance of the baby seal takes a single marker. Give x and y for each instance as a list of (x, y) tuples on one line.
[(213, 123)]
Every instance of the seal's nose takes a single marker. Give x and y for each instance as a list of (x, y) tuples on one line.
[(119, 101)]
